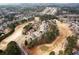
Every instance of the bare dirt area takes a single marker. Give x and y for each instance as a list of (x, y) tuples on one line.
[(44, 49), (16, 36), (57, 44)]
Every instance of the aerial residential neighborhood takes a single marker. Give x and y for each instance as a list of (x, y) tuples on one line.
[(39, 29)]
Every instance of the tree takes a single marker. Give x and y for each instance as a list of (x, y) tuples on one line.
[(61, 52), (12, 26), (33, 43), (1, 52), (12, 49), (25, 42), (52, 53), (47, 17), (68, 51), (27, 28), (50, 35), (72, 40)]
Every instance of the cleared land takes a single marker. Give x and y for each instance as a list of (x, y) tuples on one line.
[(16, 36), (43, 49), (56, 45)]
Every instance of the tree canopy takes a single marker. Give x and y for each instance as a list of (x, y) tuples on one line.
[(72, 40), (52, 53), (12, 49)]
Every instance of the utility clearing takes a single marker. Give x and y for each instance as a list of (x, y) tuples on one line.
[(44, 49)]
